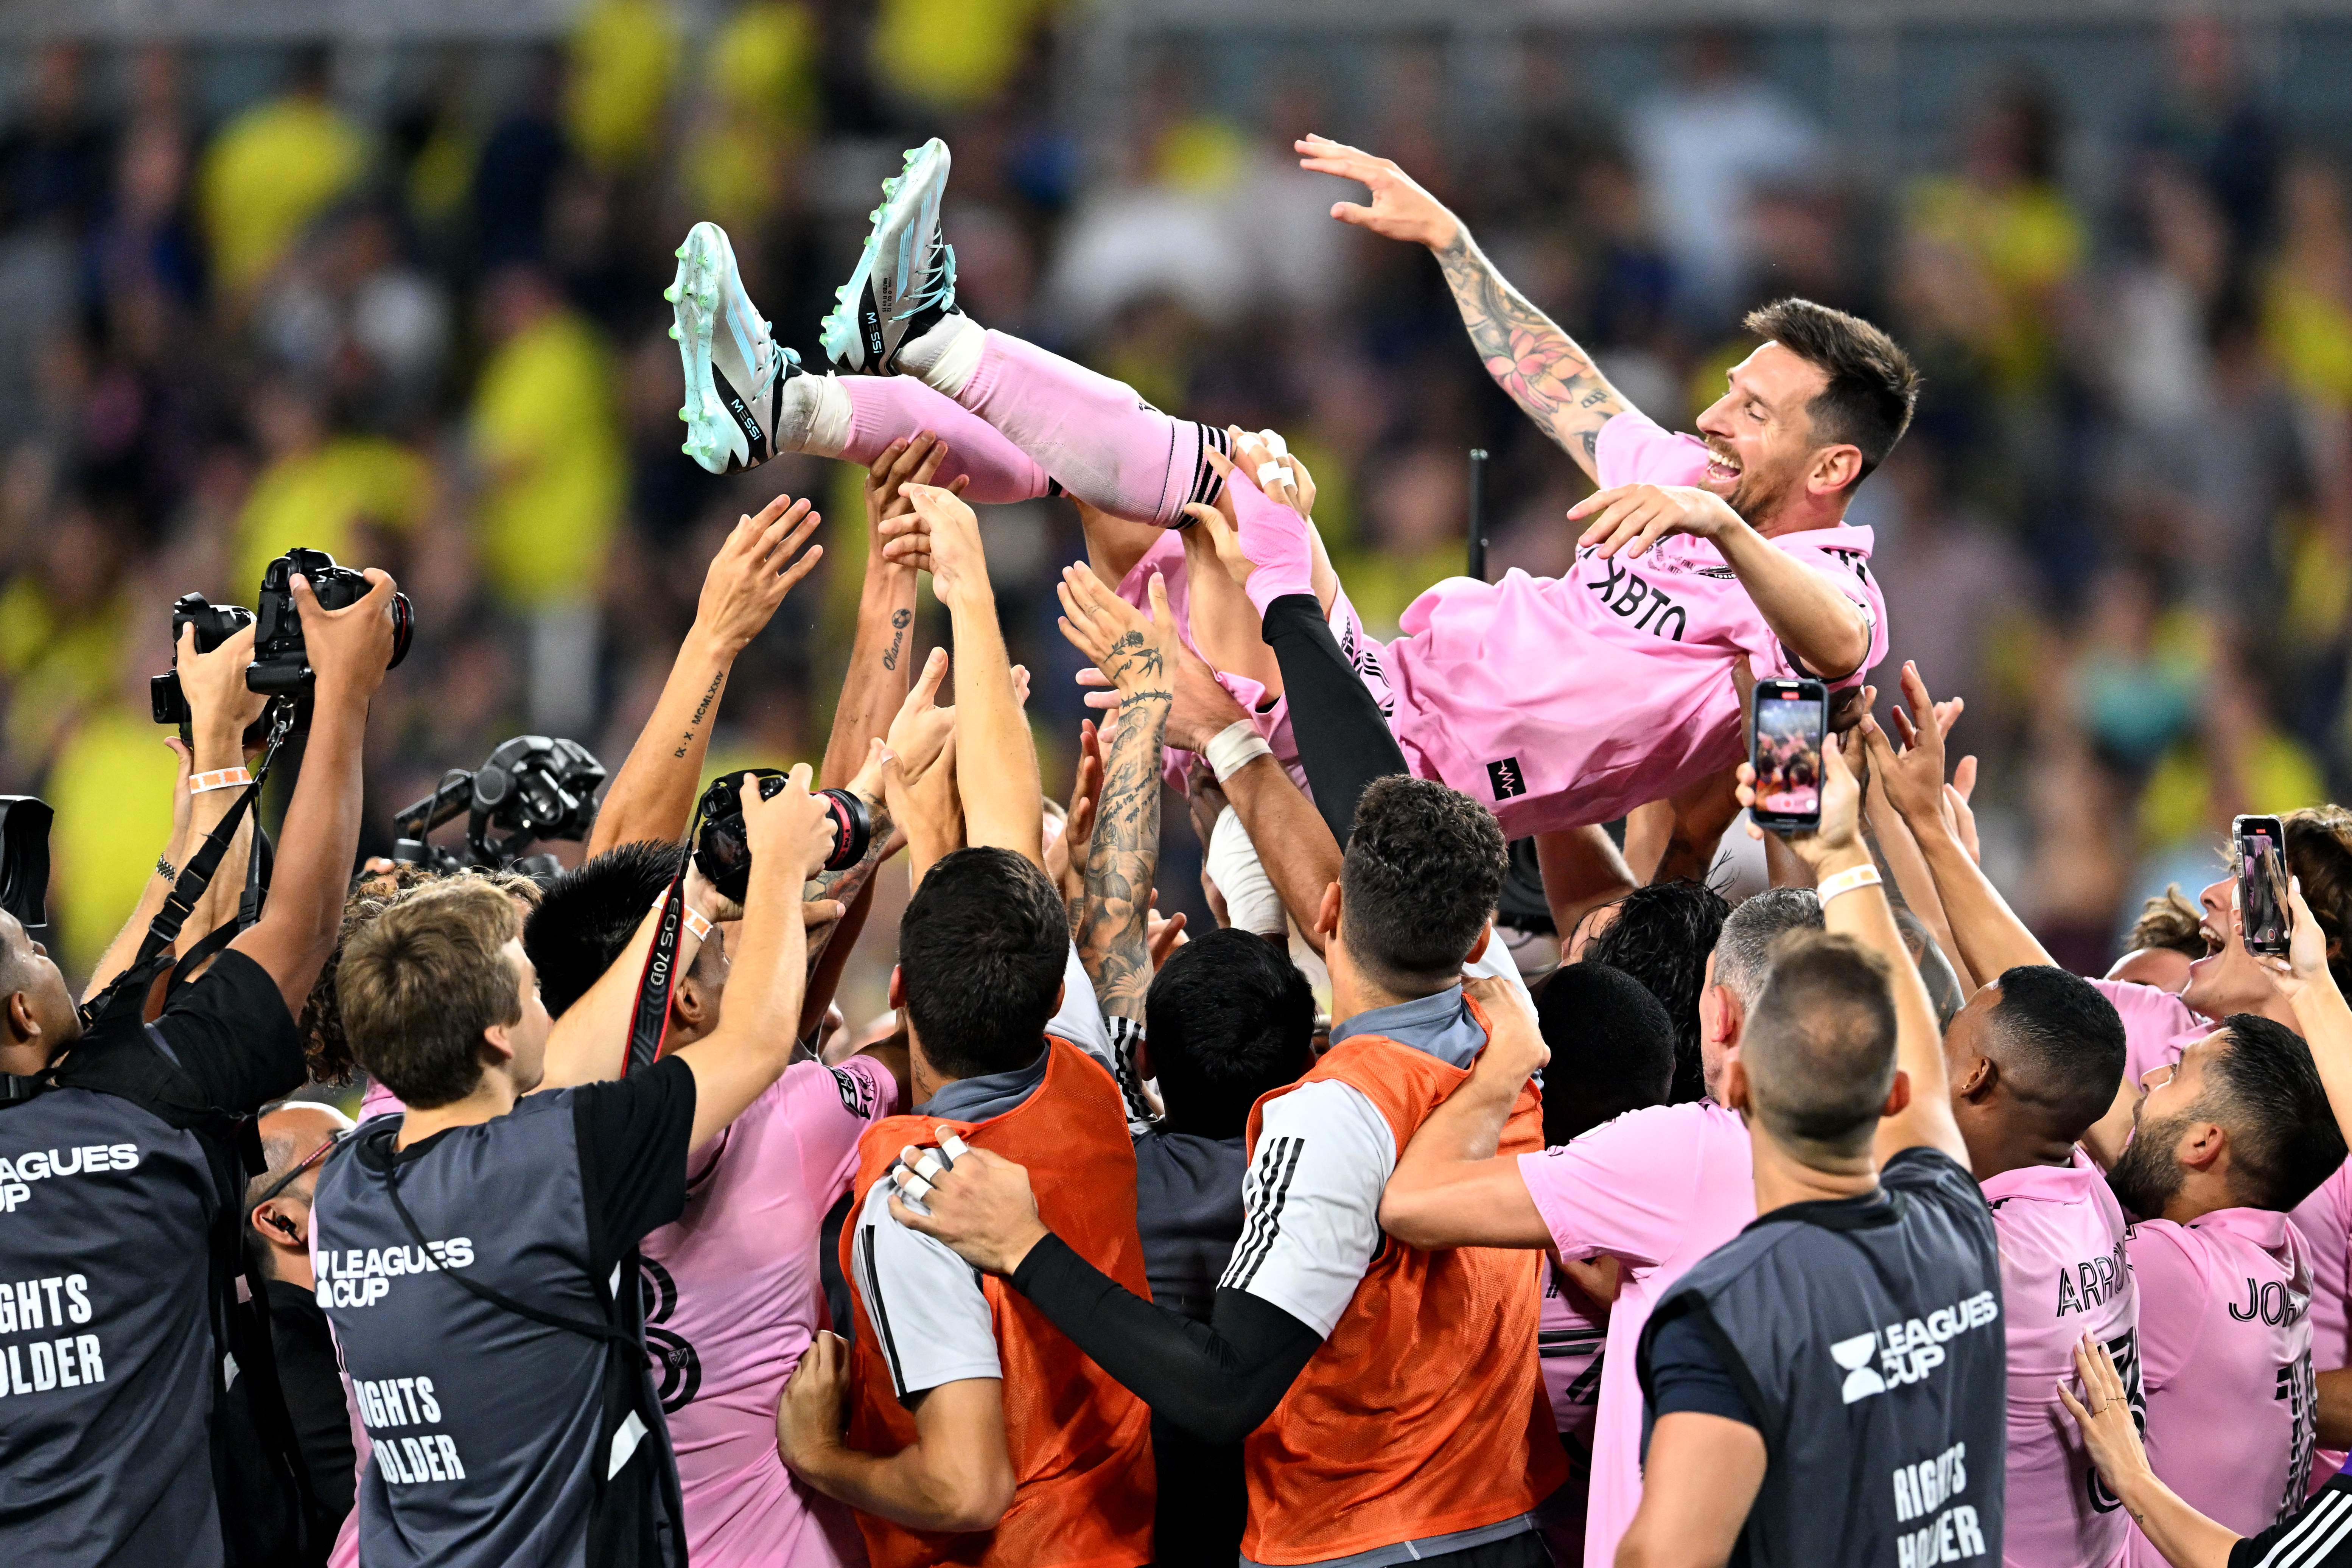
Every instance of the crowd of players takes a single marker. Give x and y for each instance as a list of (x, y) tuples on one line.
[(1824, 1228)]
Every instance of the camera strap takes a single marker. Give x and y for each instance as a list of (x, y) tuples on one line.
[(649, 1019), (188, 889)]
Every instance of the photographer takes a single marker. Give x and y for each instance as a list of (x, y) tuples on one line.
[(124, 1182), (497, 1348)]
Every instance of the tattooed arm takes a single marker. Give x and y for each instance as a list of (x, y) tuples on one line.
[(1540, 366), (1137, 655), (653, 794)]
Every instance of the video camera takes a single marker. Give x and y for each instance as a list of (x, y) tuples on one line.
[(281, 664), (532, 787)]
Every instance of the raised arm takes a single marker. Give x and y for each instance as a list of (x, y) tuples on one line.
[(124, 948), (219, 708), (349, 649), (2320, 1013), (996, 756), (1123, 854), (653, 794), (1530, 358), (735, 1063), (881, 659), (1988, 936), (1865, 914)]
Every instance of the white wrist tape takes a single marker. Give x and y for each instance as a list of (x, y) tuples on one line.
[(1847, 881), (1251, 902), (1235, 747)]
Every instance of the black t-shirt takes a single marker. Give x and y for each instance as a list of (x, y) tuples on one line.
[(633, 1132), (2317, 1536), (111, 1204), (313, 1384)]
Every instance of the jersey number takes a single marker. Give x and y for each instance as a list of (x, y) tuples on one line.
[(678, 1371), (2125, 1349)]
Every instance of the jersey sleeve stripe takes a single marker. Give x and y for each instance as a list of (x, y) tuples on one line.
[(1259, 1178), (873, 1284), (2314, 1537), (1273, 1229)]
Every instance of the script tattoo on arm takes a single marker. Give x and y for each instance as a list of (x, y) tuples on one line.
[(1529, 357), (898, 619), (1124, 859), (701, 711)]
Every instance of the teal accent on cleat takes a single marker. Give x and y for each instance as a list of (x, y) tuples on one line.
[(905, 278), (734, 371)]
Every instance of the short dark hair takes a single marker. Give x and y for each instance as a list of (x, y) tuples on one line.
[(2062, 1045), (421, 984), (1820, 1048), (2283, 1141), (1613, 1048), (589, 914), (1872, 384), (1661, 937), (1424, 867), (981, 949), (1228, 1017), (2319, 855)]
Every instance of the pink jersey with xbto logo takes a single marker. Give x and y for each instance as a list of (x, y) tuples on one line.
[(2225, 1355), (2063, 1274), (1559, 702)]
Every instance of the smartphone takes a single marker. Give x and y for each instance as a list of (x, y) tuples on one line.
[(2262, 883), (1791, 723)]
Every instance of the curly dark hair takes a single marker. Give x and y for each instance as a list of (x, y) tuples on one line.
[(324, 1044), (1424, 867), (1662, 937), (2168, 921)]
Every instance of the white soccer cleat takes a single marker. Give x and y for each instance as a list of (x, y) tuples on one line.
[(905, 279), (735, 372)]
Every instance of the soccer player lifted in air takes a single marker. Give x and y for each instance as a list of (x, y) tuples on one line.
[(1696, 554)]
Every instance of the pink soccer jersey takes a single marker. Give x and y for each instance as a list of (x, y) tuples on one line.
[(2063, 1274), (2225, 1355), (1568, 1341), (1559, 702), (733, 1296), (1272, 719), (2157, 1026), (1659, 1189)]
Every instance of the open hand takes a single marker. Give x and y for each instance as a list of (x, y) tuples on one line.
[(1399, 208), (754, 569), (910, 459), (2110, 1430), (941, 536), (1065, 858), (1910, 767), (980, 1205), (1132, 653), (1631, 518)]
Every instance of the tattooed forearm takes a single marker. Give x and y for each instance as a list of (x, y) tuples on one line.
[(898, 619), (1540, 366), (701, 711), (1122, 860)]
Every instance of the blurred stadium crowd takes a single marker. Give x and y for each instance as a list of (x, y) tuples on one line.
[(430, 336)]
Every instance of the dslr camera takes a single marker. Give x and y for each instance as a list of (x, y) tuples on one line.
[(723, 852), (281, 665)]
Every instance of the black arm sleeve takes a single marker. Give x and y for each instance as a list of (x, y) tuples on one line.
[(1217, 1380), (2309, 1537), (1343, 742)]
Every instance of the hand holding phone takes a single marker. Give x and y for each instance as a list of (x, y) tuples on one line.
[(2268, 920), (1789, 725)]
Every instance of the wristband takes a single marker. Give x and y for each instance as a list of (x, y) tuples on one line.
[(166, 870), (1235, 747), (219, 778), (1847, 881), (696, 926)]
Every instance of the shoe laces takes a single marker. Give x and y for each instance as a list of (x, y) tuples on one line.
[(939, 278)]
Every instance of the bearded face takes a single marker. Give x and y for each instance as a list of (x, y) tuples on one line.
[(2149, 1175)]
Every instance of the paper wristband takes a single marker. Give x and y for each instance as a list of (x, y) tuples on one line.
[(1847, 881), (1235, 747), (219, 778), (696, 926)]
